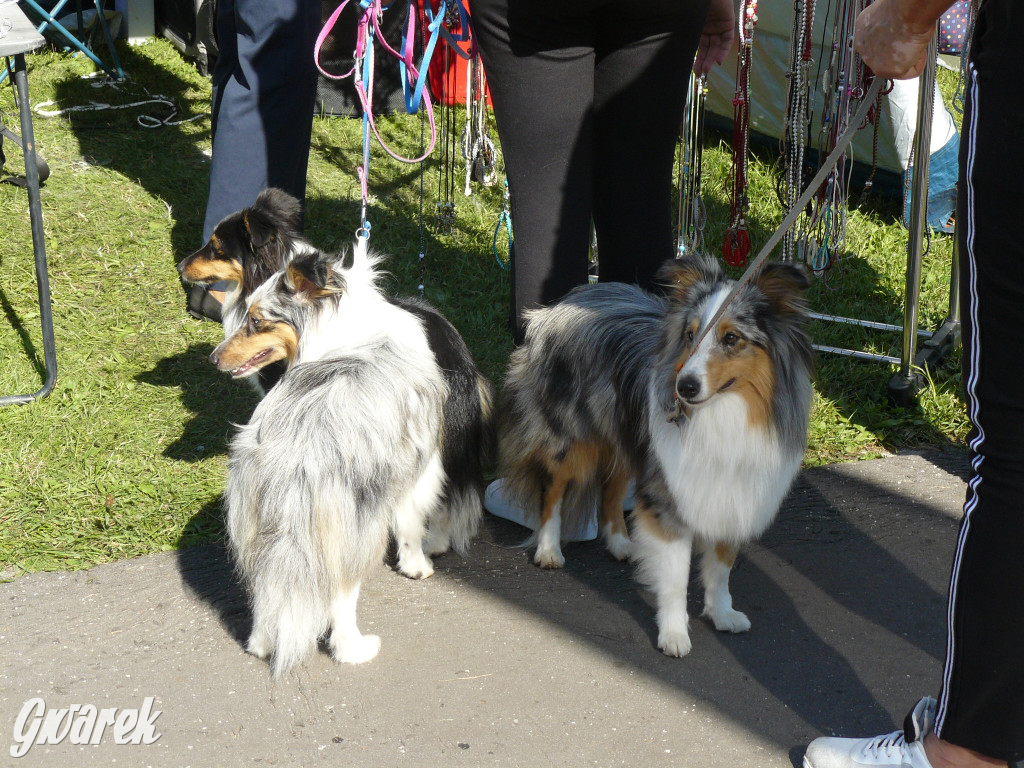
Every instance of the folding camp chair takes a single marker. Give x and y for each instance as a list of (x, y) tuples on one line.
[(49, 19)]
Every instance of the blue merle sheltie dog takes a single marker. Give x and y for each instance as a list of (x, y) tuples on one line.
[(610, 386), (347, 446), (249, 246)]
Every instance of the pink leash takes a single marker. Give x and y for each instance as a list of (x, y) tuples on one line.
[(364, 79)]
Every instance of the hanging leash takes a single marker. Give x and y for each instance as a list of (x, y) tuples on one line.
[(478, 150), (798, 120), (368, 31), (692, 214), (830, 162), (736, 245), (444, 209), (845, 81), (504, 220)]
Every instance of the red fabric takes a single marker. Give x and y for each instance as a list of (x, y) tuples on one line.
[(450, 82)]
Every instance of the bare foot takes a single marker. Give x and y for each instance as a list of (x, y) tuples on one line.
[(942, 754)]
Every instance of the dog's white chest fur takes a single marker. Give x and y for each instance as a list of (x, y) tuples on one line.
[(728, 478)]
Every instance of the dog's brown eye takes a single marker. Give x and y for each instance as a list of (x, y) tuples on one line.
[(689, 335), (730, 339), (256, 322)]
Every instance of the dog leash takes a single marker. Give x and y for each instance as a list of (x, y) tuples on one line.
[(830, 162), (367, 33)]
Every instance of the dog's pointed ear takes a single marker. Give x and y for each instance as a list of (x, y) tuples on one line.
[(784, 284), (679, 276), (259, 227), (278, 205), (273, 212), (311, 277)]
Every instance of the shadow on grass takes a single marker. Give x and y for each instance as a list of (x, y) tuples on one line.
[(215, 401), (166, 161), (26, 340), (859, 389)]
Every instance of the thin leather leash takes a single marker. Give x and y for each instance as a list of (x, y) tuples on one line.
[(830, 162)]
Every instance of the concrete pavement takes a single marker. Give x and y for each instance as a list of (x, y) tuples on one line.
[(493, 661)]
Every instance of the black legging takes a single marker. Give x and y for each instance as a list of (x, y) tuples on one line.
[(982, 702), (588, 98)]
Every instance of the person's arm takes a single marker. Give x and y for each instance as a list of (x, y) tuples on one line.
[(892, 36), (716, 36)]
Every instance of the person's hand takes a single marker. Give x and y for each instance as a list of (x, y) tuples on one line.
[(716, 36), (892, 36)]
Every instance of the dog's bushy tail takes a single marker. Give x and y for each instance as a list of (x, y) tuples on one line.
[(297, 609), (467, 448), (289, 602), (289, 550)]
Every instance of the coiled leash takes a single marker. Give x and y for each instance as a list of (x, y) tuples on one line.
[(692, 214), (368, 31), (830, 162)]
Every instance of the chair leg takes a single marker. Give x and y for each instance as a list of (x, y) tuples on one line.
[(38, 242)]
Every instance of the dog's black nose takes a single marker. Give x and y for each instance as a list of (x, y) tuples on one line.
[(688, 387), (181, 265), (215, 357)]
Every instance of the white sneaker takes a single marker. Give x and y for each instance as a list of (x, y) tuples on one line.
[(900, 749)]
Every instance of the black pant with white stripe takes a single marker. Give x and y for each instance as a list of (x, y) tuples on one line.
[(981, 706)]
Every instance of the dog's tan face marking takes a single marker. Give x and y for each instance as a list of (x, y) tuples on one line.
[(744, 368), (210, 264), (201, 270), (733, 364), (689, 335), (256, 345)]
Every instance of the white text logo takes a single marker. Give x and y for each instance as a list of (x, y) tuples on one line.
[(82, 724)]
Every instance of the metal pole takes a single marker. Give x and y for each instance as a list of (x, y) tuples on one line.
[(954, 278), (38, 241), (918, 209)]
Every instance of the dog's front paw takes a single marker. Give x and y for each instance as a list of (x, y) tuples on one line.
[(674, 643), (415, 566), (437, 542), (674, 629), (620, 546), (356, 650), (549, 557), (729, 620)]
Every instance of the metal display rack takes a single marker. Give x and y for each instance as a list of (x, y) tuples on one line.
[(905, 383)]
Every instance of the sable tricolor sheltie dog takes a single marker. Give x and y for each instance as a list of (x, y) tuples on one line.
[(250, 246), (346, 446), (609, 385)]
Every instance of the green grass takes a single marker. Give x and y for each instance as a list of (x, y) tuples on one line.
[(128, 455)]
